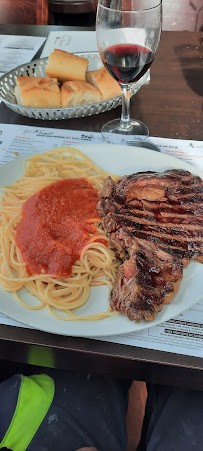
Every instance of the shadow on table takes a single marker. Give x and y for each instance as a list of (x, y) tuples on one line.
[(191, 61)]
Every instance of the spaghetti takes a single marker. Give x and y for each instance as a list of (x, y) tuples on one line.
[(96, 265)]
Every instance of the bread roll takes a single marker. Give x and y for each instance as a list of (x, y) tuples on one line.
[(74, 93), (66, 66), (37, 92), (103, 81)]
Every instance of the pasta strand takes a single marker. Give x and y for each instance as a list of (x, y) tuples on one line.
[(97, 265)]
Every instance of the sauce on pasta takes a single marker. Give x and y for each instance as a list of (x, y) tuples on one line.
[(57, 223), (34, 195)]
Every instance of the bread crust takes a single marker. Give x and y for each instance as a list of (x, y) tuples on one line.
[(37, 92), (66, 66), (75, 93), (103, 81)]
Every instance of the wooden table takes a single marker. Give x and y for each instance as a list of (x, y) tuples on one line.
[(171, 106)]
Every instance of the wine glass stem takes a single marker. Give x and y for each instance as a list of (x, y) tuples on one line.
[(125, 115)]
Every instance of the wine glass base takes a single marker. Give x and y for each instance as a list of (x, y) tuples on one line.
[(145, 145), (113, 132)]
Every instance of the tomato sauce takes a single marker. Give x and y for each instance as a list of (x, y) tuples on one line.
[(56, 225)]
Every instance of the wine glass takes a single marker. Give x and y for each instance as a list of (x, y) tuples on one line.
[(128, 34)]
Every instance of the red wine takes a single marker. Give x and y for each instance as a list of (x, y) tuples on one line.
[(127, 63)]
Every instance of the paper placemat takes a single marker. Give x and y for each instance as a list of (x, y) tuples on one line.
[(16, 50), (183, 334)]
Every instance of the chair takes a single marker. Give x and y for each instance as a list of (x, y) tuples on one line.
[(29, 12), (73, 12)]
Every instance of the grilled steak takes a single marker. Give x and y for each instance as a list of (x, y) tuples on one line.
[(154, 220)]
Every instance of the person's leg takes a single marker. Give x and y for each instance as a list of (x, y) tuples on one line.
[(87, 410), (173, 420)]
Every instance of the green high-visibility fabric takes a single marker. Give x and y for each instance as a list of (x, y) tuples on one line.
[(35, 397)]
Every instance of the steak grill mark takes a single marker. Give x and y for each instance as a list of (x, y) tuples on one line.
[(159, 215)]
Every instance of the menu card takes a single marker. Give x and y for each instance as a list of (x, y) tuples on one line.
[(85, 41), (182, 334), (70, 41), (16, 50)]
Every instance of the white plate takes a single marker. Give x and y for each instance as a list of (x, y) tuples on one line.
[(118, 160)]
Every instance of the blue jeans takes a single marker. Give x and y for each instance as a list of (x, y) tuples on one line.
[(90, 411), (173, 420)]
